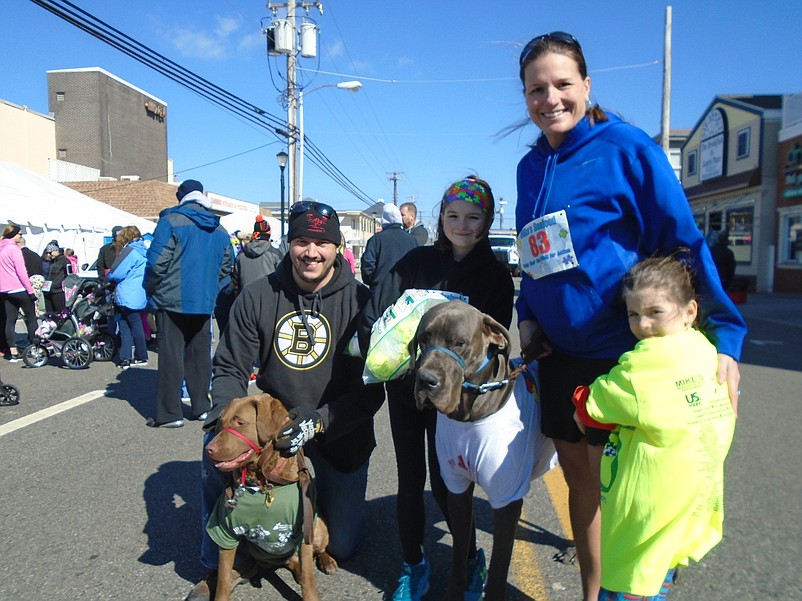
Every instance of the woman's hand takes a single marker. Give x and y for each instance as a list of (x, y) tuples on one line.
[(728, 372), (531, 335)]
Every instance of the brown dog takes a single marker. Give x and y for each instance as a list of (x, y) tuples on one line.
[(485, 433), (247, 430)]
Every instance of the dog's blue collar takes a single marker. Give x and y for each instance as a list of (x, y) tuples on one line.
[(470, 386)]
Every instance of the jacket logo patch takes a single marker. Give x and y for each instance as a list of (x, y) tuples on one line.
[(293, 346)]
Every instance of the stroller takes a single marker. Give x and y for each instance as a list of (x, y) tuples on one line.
[(79, 333), (9, 395)]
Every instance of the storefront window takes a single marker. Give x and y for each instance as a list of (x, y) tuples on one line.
[(791, 239), (739, 222)]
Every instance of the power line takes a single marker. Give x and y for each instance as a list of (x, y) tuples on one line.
[(193, 82)]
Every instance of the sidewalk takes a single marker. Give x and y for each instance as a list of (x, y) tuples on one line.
[(776, 307)]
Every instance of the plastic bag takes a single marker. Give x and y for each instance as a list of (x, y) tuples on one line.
[(388, 351)]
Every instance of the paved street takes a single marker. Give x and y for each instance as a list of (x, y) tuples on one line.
[(95, 505)]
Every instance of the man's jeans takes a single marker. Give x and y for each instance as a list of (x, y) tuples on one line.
[(340, 495)]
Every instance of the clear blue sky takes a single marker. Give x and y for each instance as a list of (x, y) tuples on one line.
[(440, 79)]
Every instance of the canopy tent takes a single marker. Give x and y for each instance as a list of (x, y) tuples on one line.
[(46, 210)]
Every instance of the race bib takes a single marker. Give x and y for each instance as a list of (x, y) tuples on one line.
[(545, 245)]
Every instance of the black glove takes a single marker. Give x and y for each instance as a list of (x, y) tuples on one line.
[(33, 298), (305, 424)]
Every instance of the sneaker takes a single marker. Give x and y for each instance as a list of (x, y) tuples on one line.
[(124, 364), (477, 577), (15, 359), (139, 362), (413, 583)]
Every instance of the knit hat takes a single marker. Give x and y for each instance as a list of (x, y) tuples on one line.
[(51, 247), (312, 224), (391, 214), (261, 229), (187, 186)]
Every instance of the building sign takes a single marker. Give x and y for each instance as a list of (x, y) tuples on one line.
[(712, 150), (793, 172), (156, 109)]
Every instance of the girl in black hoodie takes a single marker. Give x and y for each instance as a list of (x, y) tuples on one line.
[(459, 261)]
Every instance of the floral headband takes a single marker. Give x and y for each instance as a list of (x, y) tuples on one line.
[(469, 190)]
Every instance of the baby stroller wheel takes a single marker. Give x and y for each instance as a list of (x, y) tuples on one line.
[(104, 347), (76, 353), (35, 355), (9, 395)]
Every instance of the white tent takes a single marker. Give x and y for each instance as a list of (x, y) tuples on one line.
[(46, 210)]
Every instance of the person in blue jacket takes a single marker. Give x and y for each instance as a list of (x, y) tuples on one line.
[(128, 273), (189, 258), (595, 196)]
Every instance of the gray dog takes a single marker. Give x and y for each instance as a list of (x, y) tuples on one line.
[(487, 430)]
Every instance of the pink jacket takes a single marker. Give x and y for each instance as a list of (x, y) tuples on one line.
[(13, 275)]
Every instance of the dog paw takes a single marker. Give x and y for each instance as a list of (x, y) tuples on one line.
[(326, 563)]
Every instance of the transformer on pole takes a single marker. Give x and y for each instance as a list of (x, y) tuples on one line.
[(283, 37)]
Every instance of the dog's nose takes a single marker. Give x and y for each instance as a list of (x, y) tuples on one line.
[(427, 380)]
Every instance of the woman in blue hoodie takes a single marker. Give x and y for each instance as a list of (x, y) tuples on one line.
[(127, 272), (595, 196)]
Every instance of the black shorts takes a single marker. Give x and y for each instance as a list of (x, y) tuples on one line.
[(559, 376)]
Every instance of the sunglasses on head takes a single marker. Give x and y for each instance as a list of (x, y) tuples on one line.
[(555, 36), (300, 208)]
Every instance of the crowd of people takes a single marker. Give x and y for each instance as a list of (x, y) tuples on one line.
[(630, 306)]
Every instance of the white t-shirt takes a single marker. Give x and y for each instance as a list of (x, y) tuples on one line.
[(502, 452)]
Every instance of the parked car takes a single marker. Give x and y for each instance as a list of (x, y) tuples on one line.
[(505, 248)]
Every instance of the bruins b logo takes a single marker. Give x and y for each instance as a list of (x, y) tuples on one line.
[(293, 346)]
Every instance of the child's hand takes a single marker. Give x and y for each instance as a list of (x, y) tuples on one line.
[(579, 424)]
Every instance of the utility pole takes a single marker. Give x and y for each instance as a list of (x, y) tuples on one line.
[(394, 177), (292, 111), (665, 122), (286, 41)]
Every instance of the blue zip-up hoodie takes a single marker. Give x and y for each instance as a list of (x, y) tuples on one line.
[(624, 203), (188, 259), (128, 272)]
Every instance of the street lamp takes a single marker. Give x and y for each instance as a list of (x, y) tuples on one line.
[(351, 86), (281, 159)]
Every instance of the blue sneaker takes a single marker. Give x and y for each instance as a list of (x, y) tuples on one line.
[(477, 577), (413, 583)]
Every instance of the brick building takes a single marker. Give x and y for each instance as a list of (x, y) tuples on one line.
[(106, 123)]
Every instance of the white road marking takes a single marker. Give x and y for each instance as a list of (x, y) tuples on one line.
[(22, 422)]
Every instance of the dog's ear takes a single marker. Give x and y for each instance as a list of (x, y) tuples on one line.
[(412, 345), (496, 334), (270, 416)]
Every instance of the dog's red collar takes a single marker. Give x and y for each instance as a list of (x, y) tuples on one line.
[(244, 474), (241, 436)]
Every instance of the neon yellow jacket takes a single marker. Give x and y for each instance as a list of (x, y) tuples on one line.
[(663, 468)]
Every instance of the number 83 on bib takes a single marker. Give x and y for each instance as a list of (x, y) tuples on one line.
[(545, 246)]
